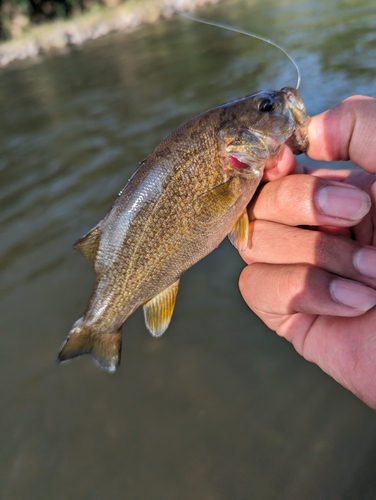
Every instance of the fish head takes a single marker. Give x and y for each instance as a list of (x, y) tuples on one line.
[(264, 122), (279, 117)]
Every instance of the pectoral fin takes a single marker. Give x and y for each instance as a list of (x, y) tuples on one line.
[(159, 309), (218, 200), (239, 235), (88, 244)]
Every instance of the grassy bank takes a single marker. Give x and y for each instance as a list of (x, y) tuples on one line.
[(35, 40)]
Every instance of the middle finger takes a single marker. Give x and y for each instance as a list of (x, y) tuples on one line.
[(273, 243)]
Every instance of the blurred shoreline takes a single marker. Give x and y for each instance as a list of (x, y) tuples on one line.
[(58, 36)]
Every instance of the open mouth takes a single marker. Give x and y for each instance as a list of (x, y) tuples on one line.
[(298, 142)]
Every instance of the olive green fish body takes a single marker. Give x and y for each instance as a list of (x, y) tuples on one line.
[(183, 200)]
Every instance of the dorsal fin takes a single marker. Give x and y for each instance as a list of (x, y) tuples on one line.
[(88, 244)]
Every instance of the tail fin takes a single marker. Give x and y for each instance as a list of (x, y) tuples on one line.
[(104, 347)]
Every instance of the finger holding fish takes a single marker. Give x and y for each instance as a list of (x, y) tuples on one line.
[(293, 245), (317, 202)]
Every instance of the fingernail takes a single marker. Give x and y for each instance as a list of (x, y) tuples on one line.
[(343, 202), (352, 294), (365, 262)]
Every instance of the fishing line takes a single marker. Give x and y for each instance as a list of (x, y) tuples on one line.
[(243, 32)]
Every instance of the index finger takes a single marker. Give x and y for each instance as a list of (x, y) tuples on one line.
[(346, 132), (303, 199)]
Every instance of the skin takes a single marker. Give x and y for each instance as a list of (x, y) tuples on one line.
[(316, 286)]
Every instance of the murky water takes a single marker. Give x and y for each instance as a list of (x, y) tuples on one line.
[(219, 408)]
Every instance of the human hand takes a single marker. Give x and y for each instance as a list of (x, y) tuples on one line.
[(317, 288)]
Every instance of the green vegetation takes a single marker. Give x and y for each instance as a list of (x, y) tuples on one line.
[(16, 16)]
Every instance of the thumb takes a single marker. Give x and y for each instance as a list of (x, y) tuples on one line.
[(346, 132)]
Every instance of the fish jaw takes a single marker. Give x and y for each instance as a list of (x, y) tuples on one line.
[(298, 142)]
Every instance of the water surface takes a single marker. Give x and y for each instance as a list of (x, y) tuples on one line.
[(219, 408)]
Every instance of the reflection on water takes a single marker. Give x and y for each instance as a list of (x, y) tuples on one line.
[(219, 408)]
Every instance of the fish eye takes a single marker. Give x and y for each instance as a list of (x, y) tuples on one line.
[(266, 105)]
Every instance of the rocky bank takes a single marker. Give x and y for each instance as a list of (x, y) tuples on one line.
[(60, 35)]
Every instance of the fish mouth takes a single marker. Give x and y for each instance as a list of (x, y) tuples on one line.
[(298, 142)]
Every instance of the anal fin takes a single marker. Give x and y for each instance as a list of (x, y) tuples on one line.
[(159, 309), (239, 234)]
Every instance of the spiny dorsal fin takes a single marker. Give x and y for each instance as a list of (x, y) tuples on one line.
[(88, 244), (159, 309), (239, 235)]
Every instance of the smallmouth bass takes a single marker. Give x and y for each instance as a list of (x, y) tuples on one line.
[(181, 202)]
